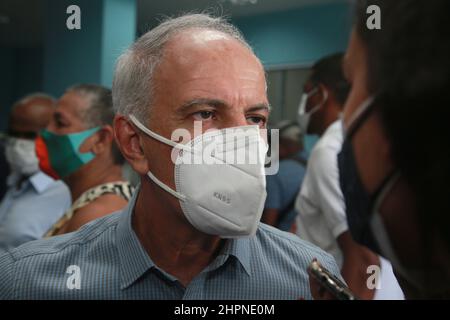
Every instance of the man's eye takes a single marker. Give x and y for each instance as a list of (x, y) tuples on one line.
[(60, 124), (203, 115), (257, 120)]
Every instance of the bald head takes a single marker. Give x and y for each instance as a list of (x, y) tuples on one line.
[(31, 114)]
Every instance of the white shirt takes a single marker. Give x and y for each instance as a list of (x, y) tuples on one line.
[(320, 205), (28, 212)]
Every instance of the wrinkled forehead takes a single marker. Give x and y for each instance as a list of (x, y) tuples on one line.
[(73, 103)]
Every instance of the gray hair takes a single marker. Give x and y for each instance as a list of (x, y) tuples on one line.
[(132, 84), (100, 110)]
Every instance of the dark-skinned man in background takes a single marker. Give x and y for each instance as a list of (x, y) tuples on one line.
[(320, 205)]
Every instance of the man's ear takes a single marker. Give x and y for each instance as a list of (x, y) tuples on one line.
[(98, 142), (105, 138), (128, 142)]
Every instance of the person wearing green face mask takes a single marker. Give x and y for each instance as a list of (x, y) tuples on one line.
[(33, 201), (78, 147)]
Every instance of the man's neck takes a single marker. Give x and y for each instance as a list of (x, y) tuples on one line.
[(21, 181), (91, 176), (172, 243), (331, 118)]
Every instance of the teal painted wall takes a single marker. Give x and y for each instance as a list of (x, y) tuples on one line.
[(298, 37), (71, 56), (119, 31), (89, 54), (20, 74), (67, 56), (295, 37), (7, 83)]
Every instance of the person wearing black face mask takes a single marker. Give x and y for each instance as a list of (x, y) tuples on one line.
[(320, 205), (395, 191)]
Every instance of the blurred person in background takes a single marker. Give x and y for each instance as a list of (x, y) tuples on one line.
[(78, 147), (34, 200), (282, 188), (320, 204), (394, 165)]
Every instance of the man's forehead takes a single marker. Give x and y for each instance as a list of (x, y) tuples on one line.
[(34, 112), (207, 46), (208, 64), (205, 37), (32, 106), (72, 100), (72, 104)]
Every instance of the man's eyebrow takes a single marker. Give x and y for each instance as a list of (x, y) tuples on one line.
[(217, 103), (203, 101), (260, 106)]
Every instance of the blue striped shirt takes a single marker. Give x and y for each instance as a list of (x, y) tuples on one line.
[(105, 260)]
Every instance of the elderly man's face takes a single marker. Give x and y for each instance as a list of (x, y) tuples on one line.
[(209, 77), (68, 114), (204, 76)]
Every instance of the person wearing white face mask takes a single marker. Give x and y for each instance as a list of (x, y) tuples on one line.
[(191, 230), (34, 201)]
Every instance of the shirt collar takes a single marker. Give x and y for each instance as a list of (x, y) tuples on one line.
[(135, 261), (238, 248), (40, 181)]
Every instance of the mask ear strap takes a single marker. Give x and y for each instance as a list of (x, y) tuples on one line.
[(156, 136), (385, 187), (357, 117), (165, 187), (320, 105), (379, 231), (304, 100), (325, 98)]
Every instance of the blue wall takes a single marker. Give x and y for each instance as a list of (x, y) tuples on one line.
[(295, 37), (298, 37), (67, 56), (7, 79), (89, 54), (119, 31), (21, 73), (71, 56)]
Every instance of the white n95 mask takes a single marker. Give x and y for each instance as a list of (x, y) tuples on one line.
[(304, 117), (220, 179), (21, 156)]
